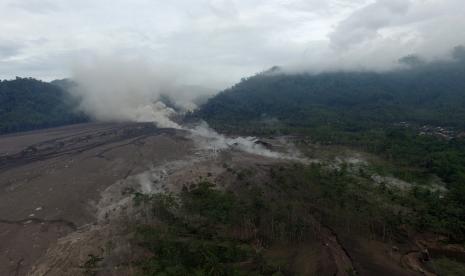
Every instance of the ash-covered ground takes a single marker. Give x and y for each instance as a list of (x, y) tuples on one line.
[(52, 180), (66, 192)]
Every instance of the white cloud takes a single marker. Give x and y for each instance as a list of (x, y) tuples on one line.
[(220, 41), (365, 23)]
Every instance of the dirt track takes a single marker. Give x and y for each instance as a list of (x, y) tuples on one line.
[(51, 180)]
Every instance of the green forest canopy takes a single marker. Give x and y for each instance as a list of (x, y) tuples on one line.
[(27, 104), (423, 93)]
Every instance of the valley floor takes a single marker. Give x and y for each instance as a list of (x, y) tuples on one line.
[(67, 203), (51, 180)]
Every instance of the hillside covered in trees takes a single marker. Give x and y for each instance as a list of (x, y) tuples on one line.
[(27, 104), (421, 93), (413, 118)]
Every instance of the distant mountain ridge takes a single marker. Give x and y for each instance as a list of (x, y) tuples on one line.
[(27, 103), (425, 93)]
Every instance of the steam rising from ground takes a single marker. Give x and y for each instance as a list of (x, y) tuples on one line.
[(209, 139), (112, 89)]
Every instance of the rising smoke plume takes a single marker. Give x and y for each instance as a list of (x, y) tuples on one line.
[(113, 89)]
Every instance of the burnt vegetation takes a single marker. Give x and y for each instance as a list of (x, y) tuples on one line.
[(206, 231)]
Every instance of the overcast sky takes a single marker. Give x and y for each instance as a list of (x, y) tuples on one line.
[(217, 42)]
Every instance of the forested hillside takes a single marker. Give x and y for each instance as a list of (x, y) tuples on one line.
[(430, 93), (26, 104), (413, 118)]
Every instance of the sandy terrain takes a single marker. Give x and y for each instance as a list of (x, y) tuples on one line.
[(51, 180)]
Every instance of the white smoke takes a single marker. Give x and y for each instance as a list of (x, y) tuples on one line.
[(157, 113), (207, 138), (113, 89)]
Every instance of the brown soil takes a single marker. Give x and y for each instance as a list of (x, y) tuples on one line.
[(51, 180)]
